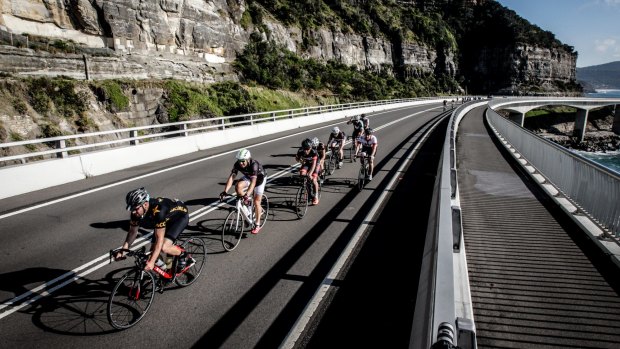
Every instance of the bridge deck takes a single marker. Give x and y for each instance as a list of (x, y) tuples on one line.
[(532, 278)]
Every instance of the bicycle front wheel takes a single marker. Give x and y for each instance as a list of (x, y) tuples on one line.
[(361, 180), (232, 232), (331, 164), (301, 201), (197, 250), (131, 298)]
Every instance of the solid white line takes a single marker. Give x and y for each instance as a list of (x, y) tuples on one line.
[(143, 240), (319, 294)]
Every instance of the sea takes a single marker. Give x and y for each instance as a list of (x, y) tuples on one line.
[(611, 160)]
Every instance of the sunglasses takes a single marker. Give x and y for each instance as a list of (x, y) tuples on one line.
[(240, 162)]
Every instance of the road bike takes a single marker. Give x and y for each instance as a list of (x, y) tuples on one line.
[(334, 158), (350, 151), (134, 292), (241, 216), (304, 194), (362, 177)]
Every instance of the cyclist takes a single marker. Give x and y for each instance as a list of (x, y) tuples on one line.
[(321, 150), (310, 166), (369, 148), (358, 129), (336, 140), (253, 180), (169, 217), (365, 122)]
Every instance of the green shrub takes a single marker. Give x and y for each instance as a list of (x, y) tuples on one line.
[(20, 106), (114, 94)]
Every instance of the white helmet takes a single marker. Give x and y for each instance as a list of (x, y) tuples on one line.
[(357, 117), (315, 142), (335, 130), (243, 154)]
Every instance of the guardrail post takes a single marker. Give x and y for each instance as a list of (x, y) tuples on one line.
[(60, 144), (290, 114), (133, 134), (223, 124), (251, 119), (273, 116), (184, 127), (307, 111)]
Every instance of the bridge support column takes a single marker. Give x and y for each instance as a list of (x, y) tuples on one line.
[(517, 117), (580, 124), (616, 125)]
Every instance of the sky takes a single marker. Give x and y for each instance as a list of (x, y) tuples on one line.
[(592, 27)]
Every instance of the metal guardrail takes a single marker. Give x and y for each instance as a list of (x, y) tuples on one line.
[(61, 146), (594, 188)]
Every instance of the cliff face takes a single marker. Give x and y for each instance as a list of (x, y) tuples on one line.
[(197, 38)]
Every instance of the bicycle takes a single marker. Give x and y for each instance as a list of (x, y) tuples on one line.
[(134, 292), (334, 158), (240, 215), (350, 150), (305, 193), (362, 178)]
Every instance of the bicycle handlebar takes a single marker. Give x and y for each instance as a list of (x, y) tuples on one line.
[(130, 253)]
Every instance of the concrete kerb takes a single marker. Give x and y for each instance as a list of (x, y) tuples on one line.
[(21, 179)]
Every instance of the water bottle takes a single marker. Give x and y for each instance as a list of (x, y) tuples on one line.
[(168, 262)]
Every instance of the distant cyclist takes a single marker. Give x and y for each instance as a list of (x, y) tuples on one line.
[(358, 129), (310, 166), (169, 217), (253, 181), (369, 148), (321, 151), (336, 140), (365, 122)]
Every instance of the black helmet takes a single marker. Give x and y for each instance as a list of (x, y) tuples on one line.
[(136, 197), (369, 131), (363, 116), (307, 143)]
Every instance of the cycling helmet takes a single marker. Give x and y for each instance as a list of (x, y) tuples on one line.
[(136, 197), (307, 143), (315, 142), (363, 116), (369, 131), (243, 154), (356, 118), (335, 130)]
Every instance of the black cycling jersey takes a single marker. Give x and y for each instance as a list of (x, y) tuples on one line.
[(307, 158), (161, 212), (320, 150), (341, 136), (254, 169), (358, 125), (366, 122)]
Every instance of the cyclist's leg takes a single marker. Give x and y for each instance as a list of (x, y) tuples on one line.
[(258, 196), (174, 228), (315, 183), (242, 186)]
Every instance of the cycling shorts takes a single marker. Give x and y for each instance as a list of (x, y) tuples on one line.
[(304, 170), (259, 189), (174, 228)]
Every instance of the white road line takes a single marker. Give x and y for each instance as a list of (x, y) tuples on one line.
[(43, 291), (319, 294)]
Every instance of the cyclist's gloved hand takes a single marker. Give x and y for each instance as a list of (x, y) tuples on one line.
[(119, 256), (222, 195)]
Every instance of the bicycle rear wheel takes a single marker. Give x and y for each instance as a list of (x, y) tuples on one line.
[(197, 250), (301, 201), (232, 232), (131, 298)]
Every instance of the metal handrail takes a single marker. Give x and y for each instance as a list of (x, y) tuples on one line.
[(183, 128)]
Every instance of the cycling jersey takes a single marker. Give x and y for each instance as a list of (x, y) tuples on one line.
[(340, 137), (307, 158), (320, 150), (254, 169), (171, 214), (365, 122), (367, 143)]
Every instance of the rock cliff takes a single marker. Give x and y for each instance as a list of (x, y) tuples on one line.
[(187, 39)]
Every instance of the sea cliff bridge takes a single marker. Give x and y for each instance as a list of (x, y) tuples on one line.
[(471, 223)]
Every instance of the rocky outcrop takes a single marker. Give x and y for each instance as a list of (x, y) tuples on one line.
[(186, 39)]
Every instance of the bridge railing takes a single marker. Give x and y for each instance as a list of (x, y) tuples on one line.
[(590, 186), (63, 146)]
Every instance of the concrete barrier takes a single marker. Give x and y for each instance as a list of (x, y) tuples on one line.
[(29, 177)]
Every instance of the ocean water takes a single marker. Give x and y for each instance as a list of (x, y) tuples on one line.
[(611, 160)]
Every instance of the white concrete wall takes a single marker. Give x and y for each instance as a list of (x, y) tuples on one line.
[(29, 177)]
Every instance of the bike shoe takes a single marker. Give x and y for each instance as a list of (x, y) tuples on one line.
[(255, 230)]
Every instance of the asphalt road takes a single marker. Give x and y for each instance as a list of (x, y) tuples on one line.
[(250, 297)]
